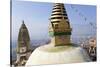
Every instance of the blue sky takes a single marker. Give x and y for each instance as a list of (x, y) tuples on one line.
[(36, 17)]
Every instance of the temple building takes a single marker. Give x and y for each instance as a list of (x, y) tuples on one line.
[(23, 47), (60, 50), (91, 47)]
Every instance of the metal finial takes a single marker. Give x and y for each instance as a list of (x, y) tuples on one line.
[(23, 21)]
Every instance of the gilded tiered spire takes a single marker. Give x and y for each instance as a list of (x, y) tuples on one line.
[(59, 27), (58, 13)]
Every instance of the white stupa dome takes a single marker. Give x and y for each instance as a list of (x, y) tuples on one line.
[(48, 54)]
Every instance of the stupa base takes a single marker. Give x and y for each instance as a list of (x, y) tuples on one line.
[(49, 54)]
